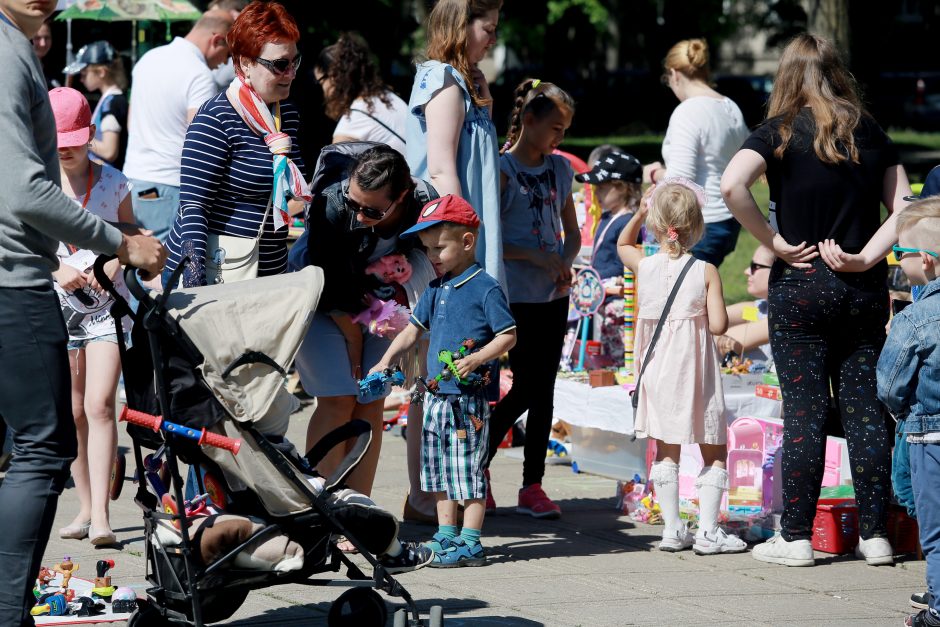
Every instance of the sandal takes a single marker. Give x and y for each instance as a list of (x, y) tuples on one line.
[(346, 546), (75, 531)]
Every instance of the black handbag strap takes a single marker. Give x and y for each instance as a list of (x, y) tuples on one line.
[(387, 127), (662, 321)]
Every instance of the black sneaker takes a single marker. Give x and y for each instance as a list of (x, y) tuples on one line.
[(920, 600), (922, 618), (413, 556)]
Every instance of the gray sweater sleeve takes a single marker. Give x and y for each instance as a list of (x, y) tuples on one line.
[(27, 187)]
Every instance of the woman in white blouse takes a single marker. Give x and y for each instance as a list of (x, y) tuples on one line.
[(356, 97), (704, 132)]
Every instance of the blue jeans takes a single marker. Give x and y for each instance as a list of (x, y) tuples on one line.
[(925, 477), (157, 214), (35, 401), (718, 242)]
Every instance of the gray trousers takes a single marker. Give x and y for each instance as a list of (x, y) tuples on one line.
[(35, 401)]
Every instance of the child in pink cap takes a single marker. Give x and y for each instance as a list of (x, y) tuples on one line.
[(102, 190)]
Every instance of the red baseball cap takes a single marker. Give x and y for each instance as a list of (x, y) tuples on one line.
[(72, 117), (447, 208)]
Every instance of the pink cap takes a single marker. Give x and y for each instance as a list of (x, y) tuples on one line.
[(72, 117)]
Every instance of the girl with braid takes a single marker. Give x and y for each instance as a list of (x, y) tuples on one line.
[(540, 240)]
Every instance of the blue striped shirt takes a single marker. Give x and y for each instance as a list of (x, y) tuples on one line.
[(226, 178)]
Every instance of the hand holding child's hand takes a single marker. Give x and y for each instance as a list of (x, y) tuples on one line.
[(467, 365), (112, 269), (69, 278)]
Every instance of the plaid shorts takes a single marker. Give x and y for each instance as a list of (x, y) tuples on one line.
[(450, 463)]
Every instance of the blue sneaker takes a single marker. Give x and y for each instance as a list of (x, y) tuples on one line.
[(459, 554), (440, 543)]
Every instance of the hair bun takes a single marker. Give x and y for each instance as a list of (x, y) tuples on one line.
[(698, 53)]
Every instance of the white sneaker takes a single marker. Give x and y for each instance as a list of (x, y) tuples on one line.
[(779, 551), (717, 542), (875, 551), (677, 540)]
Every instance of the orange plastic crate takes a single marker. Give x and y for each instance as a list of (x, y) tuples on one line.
[(902, 531), (835, 528)]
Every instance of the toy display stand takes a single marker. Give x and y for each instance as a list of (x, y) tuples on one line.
[(82, 588)]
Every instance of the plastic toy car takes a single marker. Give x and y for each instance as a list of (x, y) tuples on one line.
[(379, 384)]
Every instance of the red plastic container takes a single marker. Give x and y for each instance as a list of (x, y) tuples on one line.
[(835, 528), (902, 531)]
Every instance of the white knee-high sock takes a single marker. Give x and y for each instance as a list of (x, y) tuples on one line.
[(665, 479), (711, 484)]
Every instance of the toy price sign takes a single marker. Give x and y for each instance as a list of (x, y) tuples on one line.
[(588, 293)]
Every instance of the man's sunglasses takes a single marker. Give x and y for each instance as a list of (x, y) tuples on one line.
[(279, 67), (369, 212), (900, 250), (757, 266)]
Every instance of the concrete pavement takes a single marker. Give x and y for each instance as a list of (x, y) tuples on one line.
[(591, 568)]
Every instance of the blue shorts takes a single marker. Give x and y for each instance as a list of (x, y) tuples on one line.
[(323, 363), (82, 343)]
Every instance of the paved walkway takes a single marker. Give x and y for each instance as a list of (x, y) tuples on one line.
[(591, 568)]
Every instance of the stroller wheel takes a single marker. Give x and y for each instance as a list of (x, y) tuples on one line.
[(401, 618), (117, 476), (358, 607), (436, 619)]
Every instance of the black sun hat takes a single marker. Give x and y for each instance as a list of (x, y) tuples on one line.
[(616, 166)]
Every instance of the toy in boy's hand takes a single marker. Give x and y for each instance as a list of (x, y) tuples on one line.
[(384, 318), (379, 384), (450, 371), (393, 268)]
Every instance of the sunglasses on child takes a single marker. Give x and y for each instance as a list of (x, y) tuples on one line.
[(369, 212), (279, 67), (899, 251)]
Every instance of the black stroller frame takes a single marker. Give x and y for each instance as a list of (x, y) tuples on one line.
[(209, 592)]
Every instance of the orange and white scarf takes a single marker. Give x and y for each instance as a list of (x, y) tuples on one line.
[(288, 181)]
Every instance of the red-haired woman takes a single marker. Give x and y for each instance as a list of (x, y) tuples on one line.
[(241, 163)]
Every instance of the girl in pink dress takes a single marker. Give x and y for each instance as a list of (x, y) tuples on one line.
[(680, 396)]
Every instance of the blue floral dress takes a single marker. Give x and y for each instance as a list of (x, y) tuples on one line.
[(477, 157)]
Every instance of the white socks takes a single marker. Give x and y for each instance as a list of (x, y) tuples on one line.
[(665, 479), (711, 484)]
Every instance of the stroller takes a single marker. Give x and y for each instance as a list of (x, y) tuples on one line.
[(204, 381)]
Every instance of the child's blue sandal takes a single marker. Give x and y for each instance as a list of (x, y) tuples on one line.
[(459, 554), (440, 543)]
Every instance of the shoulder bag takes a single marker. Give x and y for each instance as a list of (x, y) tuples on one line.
[(635, 395), (234, 258)]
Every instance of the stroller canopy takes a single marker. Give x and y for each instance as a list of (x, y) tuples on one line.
[(248, 321)]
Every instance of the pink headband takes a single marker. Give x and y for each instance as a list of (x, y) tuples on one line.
[(697, 189)]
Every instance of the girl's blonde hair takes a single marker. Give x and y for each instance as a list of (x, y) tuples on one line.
[(811, 73), (447, 36), (675, 207), (690, 57), (114, 72), (538, 98)]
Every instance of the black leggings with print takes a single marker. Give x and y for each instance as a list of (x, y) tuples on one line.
[(826, 332)]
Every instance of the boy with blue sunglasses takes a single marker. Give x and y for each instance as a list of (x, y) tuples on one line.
[(909, 381)]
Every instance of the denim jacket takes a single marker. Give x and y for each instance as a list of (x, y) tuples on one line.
[(909, 366)]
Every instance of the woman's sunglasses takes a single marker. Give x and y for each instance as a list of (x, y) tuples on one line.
[(369, 212), (279, 67), (757, 266), (899, 252)]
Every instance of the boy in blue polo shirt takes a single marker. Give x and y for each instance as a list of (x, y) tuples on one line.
[(470, 324), (908, 382)]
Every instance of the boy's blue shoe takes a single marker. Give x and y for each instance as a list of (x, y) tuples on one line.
[(459, 554), (440, 543)]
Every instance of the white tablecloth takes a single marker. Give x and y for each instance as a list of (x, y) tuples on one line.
[(609, 408)]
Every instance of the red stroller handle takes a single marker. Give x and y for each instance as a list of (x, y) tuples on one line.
[(202, 436)]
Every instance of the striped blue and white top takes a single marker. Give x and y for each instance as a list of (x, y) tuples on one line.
[(226, 178)]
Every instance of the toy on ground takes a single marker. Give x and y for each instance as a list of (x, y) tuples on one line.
[(51, 605), (124, 600), (102, 579), (86, 606), (43, 579), (66, 568), (379, 384)]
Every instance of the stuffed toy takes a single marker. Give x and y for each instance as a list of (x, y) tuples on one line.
[(393, 268), (384, 318)]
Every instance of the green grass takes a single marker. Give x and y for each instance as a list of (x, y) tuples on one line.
[(732, 269)]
